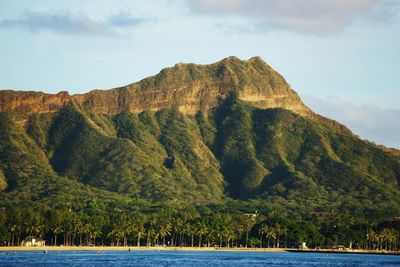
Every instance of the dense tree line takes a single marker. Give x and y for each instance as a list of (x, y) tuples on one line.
[(193, 228)]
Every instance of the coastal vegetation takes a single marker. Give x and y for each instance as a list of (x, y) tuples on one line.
[(194, 227)]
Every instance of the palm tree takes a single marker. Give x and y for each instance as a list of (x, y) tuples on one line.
[(56, 225), (139, 229), (57, 229), (239, 230), (115, 235), (220, 234), (70, 226), (280, 231), (383, 238), (95, 232), (230, 235), (82, 230), (248, 225), (192, 232), (13, 229), (185, 230), (36, 228), (16, 222), (77, 224), (393, 237), (210, 237), (262, 231), (375, 240), (124, 228), (150, 234), (165, 229), (201, 230), (270, 233), (370, 235), (388, 238), (176, 227)]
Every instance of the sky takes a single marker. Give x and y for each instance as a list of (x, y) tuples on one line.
[(341, 56)]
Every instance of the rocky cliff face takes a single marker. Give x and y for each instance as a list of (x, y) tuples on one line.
[(188, 87), (32, 102)]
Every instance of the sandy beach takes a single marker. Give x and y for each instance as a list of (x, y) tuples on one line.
[(122, 248), (133, 248)]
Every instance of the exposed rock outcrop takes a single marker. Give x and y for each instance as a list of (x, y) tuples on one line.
[(187, 87), (32, 102)]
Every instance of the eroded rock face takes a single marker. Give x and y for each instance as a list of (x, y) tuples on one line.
[(187, 87), (32, 102)]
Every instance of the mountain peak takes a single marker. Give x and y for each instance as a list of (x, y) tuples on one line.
[(188, 87)]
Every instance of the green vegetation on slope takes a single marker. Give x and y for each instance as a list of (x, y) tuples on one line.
[(31, 178), (234, 146), (278, 156), (270, 158)]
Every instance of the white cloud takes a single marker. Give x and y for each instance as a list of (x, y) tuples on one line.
[(73, 24), (370, 122), (311, 16)]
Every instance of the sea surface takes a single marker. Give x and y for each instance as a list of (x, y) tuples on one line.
[(183, 258)]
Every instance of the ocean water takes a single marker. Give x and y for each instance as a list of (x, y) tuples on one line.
[(183, 258)]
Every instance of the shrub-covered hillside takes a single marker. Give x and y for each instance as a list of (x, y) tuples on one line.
[(268, 157)]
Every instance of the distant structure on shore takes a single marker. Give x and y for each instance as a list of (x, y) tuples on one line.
[(31, 241)]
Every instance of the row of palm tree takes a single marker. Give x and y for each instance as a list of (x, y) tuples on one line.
[(273, 233), (385, 239), (76, 228), (182, 228), (155, 230)]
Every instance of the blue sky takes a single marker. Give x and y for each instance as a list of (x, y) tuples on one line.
[(341, 56)]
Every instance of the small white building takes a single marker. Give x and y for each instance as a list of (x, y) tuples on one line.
[(31, 241)]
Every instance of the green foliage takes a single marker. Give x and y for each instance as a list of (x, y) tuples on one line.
[(207, 128), (242, 170), (183, 142), (172, 226), (237, 158), (149, 120), (29, 175), (129, 126), (37, 128), (3, 181)]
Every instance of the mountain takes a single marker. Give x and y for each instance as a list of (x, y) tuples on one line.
[(229, 132)]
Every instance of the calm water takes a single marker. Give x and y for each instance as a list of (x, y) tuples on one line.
[(180, 258)]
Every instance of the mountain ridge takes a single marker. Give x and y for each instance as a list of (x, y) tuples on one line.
[(188, 87)]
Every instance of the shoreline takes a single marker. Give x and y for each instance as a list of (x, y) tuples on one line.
[(194, 249), (134, 248), (353, 251)]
